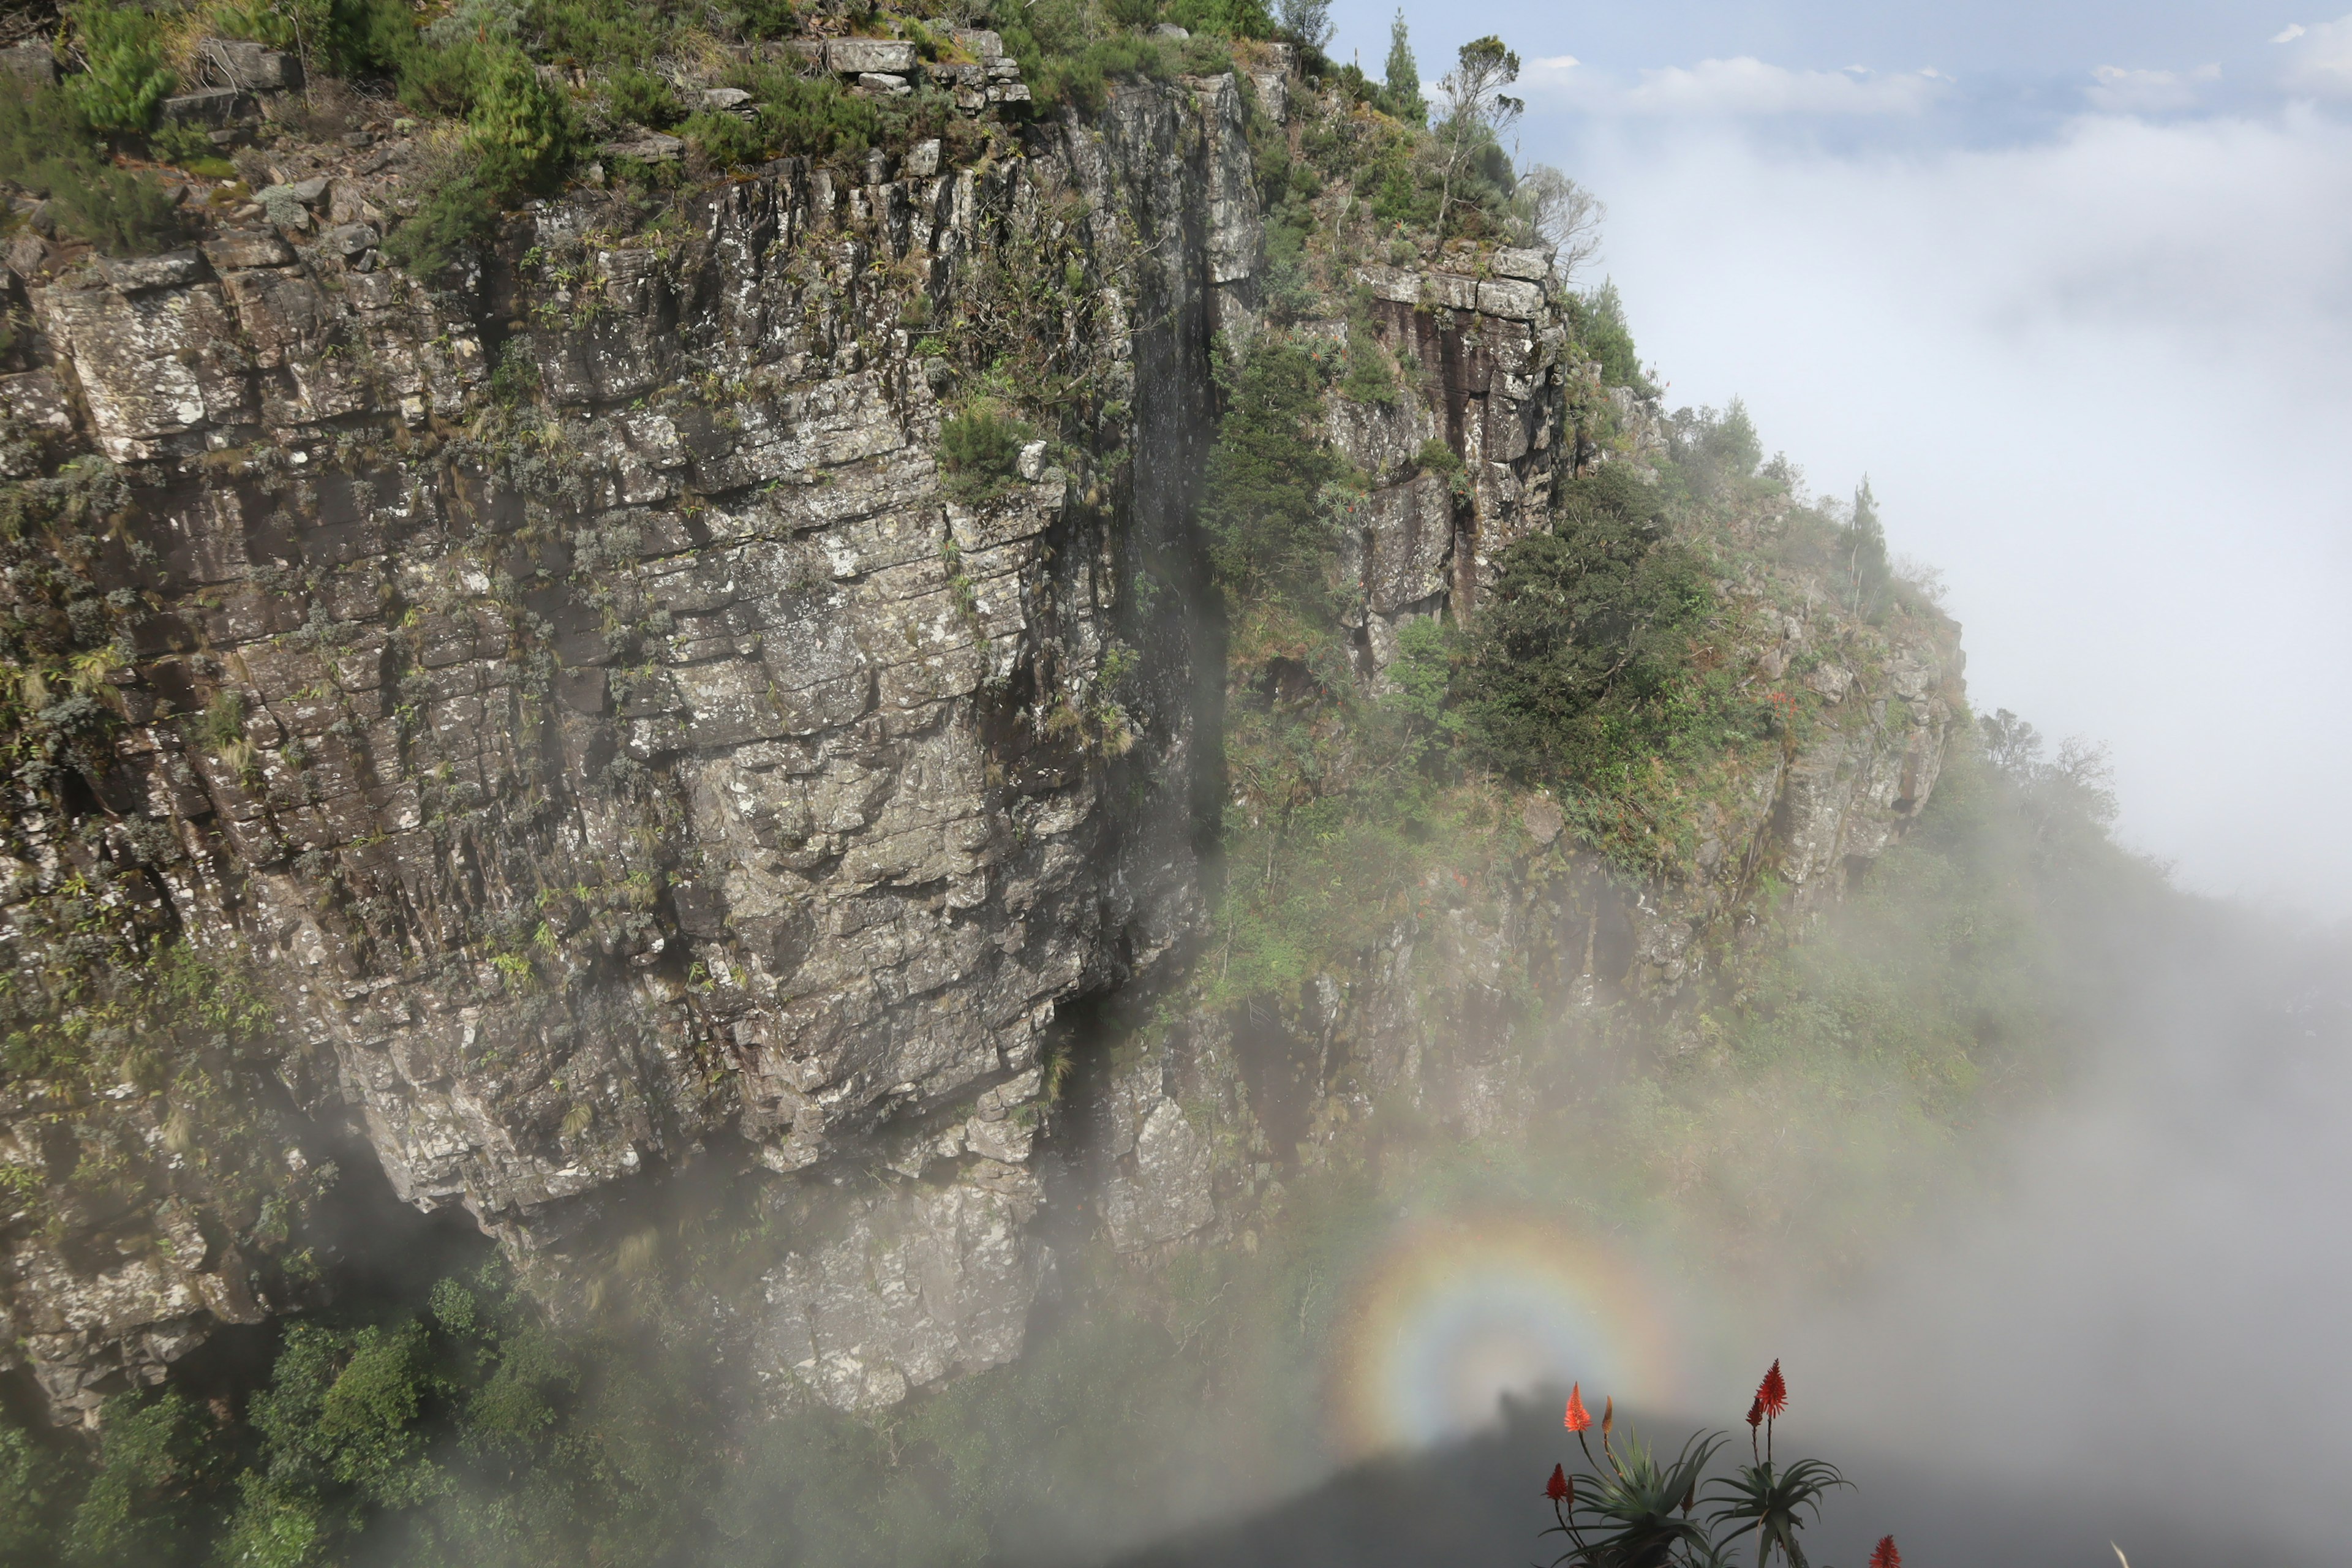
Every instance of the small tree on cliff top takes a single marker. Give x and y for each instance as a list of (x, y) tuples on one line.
[(1405, 77), (1478, 113)]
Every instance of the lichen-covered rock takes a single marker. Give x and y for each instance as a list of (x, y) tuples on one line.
[(936, 1281), (648, 746), (1167, 1197)]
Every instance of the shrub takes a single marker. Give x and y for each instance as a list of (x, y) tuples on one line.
[(46, 146), (457, 217), (139, 1506), (1588, 623), (1266, 475), (189, 148), (982, 446), (1367, 379), (1436, 458), (521, 131), (344, 37), (814, 119), (725, 139), (641, 97), (33, 1488), (127, 77), (1597, 317), (121, 212), (442, 79)]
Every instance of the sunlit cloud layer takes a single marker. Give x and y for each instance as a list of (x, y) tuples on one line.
[(2320, 57), (1743, 86)]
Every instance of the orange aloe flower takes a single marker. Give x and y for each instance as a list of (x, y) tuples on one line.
[(1755, 1412), (1576, 1420), (1886, 1556), (1558, 1488), (1773, 1393)]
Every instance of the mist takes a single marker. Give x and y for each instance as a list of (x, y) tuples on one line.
[(2068, 289)]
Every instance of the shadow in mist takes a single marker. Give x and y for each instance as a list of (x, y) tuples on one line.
[(1480, 1501)]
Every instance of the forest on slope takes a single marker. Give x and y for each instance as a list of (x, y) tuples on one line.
[(1628, 665)]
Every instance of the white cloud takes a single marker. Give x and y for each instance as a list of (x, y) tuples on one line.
[(2098, 381), (1739, 87), (2122, 91), (2287, 34), (1554, 63), (2322, 61)]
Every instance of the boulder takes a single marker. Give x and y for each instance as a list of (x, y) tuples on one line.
[(1527, 266), (131, 274), (238, 248), (31, 62), (253, 68), (1514, 300), (213, 106), (653, 147), (863, 56)]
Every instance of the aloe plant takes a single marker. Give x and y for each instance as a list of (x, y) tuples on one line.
[(1634, 1510), (1771, 1502)]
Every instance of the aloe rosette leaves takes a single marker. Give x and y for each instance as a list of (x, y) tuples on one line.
[(1771, 1503)]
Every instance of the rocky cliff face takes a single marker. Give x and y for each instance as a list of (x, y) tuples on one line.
[(577, 719), (668, 754)]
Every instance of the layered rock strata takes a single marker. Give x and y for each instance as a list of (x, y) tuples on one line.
[(592, 718)]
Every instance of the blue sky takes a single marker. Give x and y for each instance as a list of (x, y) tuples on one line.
[(2079, 303)]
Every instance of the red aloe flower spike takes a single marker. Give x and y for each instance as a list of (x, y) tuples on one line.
[(1774, 1392), (1557, 1489), (1886, 1556), (1755, 1412), (1576, 1420)]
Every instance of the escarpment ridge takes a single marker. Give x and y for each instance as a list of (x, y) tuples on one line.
[(719, 672)]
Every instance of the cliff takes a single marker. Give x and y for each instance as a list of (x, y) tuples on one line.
[(538, 730)]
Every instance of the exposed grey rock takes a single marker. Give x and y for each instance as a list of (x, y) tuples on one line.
[(882, 886), (253, 67), (1517, 301), (133, 274), (214, 107), (862, 56), (942, 1286), (653, 147), (27, 256), (236, 249), (723, 97), (1409, 533), (701, 633), (1273, 94), (31, 62), (891, 86), (1529, 266), (350, 239), (1167, 1197)]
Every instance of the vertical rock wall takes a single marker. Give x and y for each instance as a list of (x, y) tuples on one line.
[(587, 713)]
